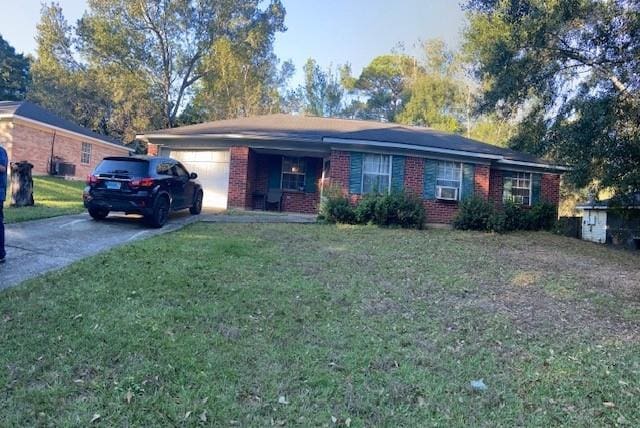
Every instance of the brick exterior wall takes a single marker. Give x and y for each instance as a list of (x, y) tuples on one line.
[(414, 175), (33, 143), (481, 181), (550, 191), (239, 189), (339, 174), (495, 186)]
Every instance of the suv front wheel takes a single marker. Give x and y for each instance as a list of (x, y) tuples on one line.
[(196, 208), (160, 213)]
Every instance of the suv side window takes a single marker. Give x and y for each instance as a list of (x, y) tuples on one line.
[(179, 171), (164, 168)]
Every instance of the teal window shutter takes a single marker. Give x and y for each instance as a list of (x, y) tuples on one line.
[(355, 173), (275, 172), (468, 180), (536, 187), (397, 173), (430, 175), (310, 178)]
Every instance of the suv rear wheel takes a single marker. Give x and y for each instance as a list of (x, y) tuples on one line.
[(160, 213), (196, 208), (98, 213)]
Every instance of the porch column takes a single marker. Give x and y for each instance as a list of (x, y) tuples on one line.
[(239, 180)]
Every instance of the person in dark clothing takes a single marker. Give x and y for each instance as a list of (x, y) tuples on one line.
[(4, 162)]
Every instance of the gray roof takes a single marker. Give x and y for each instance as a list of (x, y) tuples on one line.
[(29, 110), (311, 128), (627, 201)]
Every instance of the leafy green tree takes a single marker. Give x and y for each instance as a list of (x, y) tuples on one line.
[(569, 69), (168, 42), (321, 93), (384, 82), (14, 73)]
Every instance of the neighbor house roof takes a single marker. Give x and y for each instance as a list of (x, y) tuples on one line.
[(631, 201), (332, 131), (33, 112)]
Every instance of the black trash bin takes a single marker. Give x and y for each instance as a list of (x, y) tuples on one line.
[(21, 184)]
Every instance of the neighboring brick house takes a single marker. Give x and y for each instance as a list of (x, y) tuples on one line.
[(240, 160), (52, 144)]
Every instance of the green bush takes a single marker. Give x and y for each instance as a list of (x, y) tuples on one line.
[(336, 208), (543, 216), (398, 209), (475, 214), (365, 210), (393, 209)]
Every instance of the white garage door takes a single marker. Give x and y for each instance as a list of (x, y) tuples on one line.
[(212, 167)]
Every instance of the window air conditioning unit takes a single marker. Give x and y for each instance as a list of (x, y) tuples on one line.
[(447, 193)]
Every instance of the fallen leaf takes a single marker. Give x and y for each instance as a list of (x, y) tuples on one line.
[(283, 400), (204, 400), (421, 401), (608, 404), (203, 416), (334, 419), (347, 422), (77, 316), (96, 417), (186, 415), (128, 396)]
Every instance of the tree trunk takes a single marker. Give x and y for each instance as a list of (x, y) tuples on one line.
[(21, 184)]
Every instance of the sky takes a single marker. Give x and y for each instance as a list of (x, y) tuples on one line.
[(331, 31)]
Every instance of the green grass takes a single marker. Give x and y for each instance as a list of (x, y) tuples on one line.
[(375, 327), (53, 197)]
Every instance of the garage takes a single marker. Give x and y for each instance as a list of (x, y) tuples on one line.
[(212, 167)]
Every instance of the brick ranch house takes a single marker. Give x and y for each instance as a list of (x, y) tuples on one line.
[(240, 160), (53, 145)]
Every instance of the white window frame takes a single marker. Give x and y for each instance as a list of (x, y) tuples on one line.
[(86, 153), (517, 178), (300, 161), (459, 176), (373, 173)]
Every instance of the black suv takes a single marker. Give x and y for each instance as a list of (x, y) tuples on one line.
[(151, 186)]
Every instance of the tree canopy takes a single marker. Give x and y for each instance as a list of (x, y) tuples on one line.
[(14, 73), (569, 71)]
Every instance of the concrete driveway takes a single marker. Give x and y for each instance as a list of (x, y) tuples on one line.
[(40, 246)]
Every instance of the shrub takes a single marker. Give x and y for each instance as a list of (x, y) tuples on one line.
[(543, 216), (475, 213), (514, 217), (397, 209), (336, 208), (365, 210)]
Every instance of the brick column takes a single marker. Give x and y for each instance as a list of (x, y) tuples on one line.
[(550, 188), (495, 187), (339, 173), (414, 175), (481, 181), (239, 178)]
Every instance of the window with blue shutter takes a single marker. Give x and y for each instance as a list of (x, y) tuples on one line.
[(536, 188), (397, 173), (468, 180), (355, 173), (430, 176)]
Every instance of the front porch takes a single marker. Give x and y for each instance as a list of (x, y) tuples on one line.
[(276, 180)]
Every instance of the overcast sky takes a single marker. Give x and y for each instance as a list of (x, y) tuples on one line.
[(331, 31)]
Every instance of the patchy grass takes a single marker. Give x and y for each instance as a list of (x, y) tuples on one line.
[(53, 197), (316, 325)]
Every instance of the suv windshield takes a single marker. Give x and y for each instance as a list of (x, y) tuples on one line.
[(128, 167)]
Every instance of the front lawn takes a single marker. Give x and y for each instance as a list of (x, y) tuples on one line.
[(314, 325), (53, 196)]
